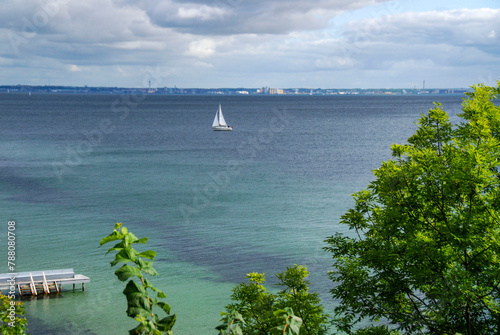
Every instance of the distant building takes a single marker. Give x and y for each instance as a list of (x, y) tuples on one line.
[(275, 90)]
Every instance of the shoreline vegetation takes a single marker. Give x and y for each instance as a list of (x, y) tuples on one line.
[(422, 255)]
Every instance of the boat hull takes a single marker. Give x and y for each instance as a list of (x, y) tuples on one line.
[(222, 128)]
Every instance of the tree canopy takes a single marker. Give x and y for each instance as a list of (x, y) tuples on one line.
[(423, 253)]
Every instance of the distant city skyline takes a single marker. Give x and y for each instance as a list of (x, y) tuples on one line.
[(235, 43), (224, 91)]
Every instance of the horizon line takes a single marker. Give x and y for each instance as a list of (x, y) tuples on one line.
[(235, 87)]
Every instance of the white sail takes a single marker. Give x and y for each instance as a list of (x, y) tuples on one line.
[(222, 122), (219, 122), (216, 120)]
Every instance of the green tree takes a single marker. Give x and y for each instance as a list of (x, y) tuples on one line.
[(424, 252), (266, 313), (11, 312), (140, 303)]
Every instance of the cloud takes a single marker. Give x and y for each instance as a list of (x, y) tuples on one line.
[(229, 17), (242, 43), (201, 48), (75, 68), (466, 27), (448, 43), (203, 13)]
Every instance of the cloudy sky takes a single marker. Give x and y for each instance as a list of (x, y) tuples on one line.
[(250, 43)]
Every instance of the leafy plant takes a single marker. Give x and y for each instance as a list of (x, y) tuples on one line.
[(267, 313), (295, 294), (140, 303), (424, 250), (232, 323), (11, 312), (292, 322)]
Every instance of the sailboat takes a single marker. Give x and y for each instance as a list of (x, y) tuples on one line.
[(219, 122)]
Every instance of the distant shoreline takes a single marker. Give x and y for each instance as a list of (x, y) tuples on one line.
[(264, 91)]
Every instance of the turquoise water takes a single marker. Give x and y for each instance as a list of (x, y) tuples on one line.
[(215, 205)]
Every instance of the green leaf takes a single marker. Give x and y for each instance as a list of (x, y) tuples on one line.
[(279, 312), (111, 237), (138, 301), (164, 306), (127, 271), (117, 247), (133, 311), (160, 293), (132, 288), (167, 323), (124, 256), (232, 323), (137, 330), (292, 322), (148, 254), (130, 238), (146, 266), (147, 283)]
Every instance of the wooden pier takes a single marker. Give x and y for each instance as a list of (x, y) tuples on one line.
[(41, 282)]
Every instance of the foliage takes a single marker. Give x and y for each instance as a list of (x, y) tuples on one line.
[(11, 312), (232, 323), (268, 313), (140, 303), (424, 253), (292, 322), (378, 330)]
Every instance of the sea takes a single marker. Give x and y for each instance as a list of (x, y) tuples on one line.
[(214, 205)]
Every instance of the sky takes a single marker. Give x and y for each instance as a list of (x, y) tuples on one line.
[(250, 43)]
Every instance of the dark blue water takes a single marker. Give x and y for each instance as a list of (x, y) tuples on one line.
[(215, 205)]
